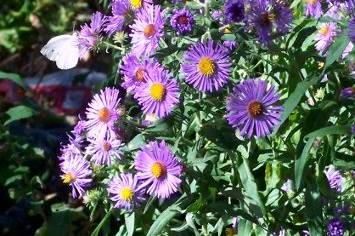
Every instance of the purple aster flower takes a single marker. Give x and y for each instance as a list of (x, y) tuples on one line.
[(252, 108), (353, 132), (147, 30), (347, 93), (77, 174), (125, 192), (217, 15), (335, 227), (230, 45), (89, 34), (282, 16), (102, 113), (159, 169), (72, 149), (79, 128), (325, 36), (120, 11), (334, 177), (134, 71), (234, 10), (159, 94), (104, 150), (352, 30), (313, 8), (261, 18), (182, 21), (207, 66)]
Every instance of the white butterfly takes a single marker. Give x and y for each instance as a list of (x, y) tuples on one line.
[(64, 50)]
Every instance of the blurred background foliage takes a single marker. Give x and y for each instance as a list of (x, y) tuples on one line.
[(32, 200)]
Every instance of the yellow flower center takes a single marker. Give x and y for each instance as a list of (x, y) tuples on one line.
[(157, 91), (136, 4), (182, 20), (311, 1), (158, 170), (149, 30), (104, 115), (106, 146), (140, 75), (255, 109), (266, 18), (126, 194), (68, 178), (324, 30), (206, 66)]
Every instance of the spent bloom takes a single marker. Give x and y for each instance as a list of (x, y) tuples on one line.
[(325, 36), (334, 177), (147, 30), (102, 113), (313, 8), (335, 227), (158, 169), (234, 11), (103, 151), (182, 21), (252, 108), (134, 70), (207, 66), (89, 33), (77, 174), (125, 192), (160, 93)]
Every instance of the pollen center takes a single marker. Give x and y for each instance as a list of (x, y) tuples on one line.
[(104, 114), (106, 146), (126, 194), (136, 3), (158, 170), (68, 178), (324, 30), (255, 109), (157, 91), (182, 20), (140, 75), (266, 18), (206, 66), (149, 30)]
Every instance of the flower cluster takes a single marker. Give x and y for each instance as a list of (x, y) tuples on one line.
[(183, 74)]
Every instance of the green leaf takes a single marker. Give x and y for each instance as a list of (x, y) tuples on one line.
[(18, 112), (337, 48), (244, 227), (163, 219), (101, 224), (329, 130), (248, 181), (313, 210), (301, 163), (129, 221), (13, 77), (294, 98)]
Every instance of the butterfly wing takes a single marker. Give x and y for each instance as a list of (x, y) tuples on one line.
[(63, 50)]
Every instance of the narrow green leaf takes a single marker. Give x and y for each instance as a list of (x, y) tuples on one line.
[(337, 48), (18, 112), (294, 98), (163, 219), (313, 210), (102, 223), (329, 130), (249, 184), (129, 221), (13, 77), (301, 163)]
